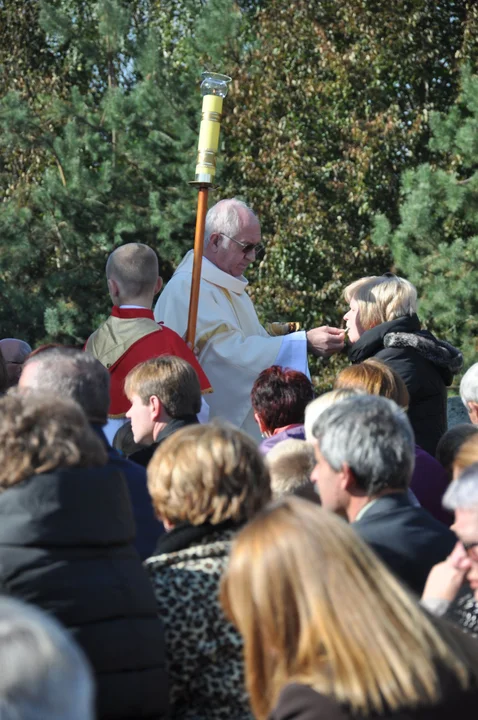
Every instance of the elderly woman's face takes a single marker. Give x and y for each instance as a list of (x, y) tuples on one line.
[(353, 324)]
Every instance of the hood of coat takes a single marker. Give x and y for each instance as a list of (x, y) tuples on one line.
[(70, 507), (406, 332)]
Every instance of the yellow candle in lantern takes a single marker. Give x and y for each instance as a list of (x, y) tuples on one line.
[(209, 135)]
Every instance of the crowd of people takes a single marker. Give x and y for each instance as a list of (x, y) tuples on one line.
[(190, 533)]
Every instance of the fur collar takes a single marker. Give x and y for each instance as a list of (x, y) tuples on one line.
[(436, 351)]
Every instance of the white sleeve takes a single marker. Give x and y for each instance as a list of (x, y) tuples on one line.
[(293, 352), (203, 414)]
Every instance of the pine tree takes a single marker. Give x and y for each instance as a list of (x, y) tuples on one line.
[(435, 244), (118, 142), (331, 103)]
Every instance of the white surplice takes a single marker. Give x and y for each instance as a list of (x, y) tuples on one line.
[(231, 344)]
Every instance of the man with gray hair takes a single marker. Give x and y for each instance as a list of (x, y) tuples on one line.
[(365, 449), (79, 376), (469, 392), (44, 676), (231, 344)]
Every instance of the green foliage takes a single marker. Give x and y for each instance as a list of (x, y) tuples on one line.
[(116, 141), (435, 243), (330, 104)]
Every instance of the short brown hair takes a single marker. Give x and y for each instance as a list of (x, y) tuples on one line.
[(467, 455), (208, 473), (134, 266), (290, 465), (173, 380), (38, 434), (375, 378)]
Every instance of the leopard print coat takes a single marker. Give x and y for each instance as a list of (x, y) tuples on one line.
[(204, 651)]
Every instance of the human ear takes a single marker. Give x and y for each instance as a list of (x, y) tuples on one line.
[(348, 481), (214, 241), (113, 289), (155, 407)]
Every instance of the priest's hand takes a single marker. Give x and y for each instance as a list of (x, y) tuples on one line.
[(325, 341)]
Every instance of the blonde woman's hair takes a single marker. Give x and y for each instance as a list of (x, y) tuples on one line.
[(208, 473), (375, 378), (290, 465), (297, 574), (382, 298), (173, 380), (322, 403), (467, 455), (39, 433)]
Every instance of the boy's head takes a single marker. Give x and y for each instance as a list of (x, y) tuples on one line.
[(160, 389), (132, 273)]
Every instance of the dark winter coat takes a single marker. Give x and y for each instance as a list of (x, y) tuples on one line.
[(406, 538), (148, 527), (426, 365), (66, 545), (142, 454)]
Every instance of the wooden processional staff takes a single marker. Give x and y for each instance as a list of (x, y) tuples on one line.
[(213, 90)]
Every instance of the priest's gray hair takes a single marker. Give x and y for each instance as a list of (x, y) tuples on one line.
[(224, 217), (43, 674), (463, 493), (469, 386), (373, 437)]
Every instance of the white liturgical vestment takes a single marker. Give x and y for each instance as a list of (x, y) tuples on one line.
[(231, 344)]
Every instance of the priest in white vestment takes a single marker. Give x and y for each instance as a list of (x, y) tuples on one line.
[(231, 344)]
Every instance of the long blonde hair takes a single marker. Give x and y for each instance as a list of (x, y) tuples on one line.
[(316, 606)]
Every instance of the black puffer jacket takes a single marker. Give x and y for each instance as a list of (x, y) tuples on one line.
[(427, 366), (66, 546)]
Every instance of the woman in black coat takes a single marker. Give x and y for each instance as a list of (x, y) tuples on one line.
[(382, 323), (329, 633), (66, 534)]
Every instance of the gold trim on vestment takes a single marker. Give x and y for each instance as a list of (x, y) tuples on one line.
[(204, 339)]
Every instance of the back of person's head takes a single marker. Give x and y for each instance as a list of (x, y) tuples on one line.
[(322, 403), (134, 267), (462, 494), (73, 374), (469, 386), (38, 435), (466, 455), (44, 675), (279, 396), (382, 298), (295, 572), (171, 379), (4, 382), (208, 473), (226, 216), (373, 437), (14, 353), (290, 465), (451, 442), (375, 378)]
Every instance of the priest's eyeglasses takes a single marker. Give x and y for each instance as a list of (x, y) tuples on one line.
[(248, 247)]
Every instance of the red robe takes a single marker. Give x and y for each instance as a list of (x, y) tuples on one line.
[(129, 337)]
